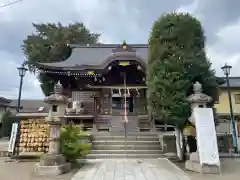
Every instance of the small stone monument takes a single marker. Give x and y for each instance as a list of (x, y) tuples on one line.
[(198, 100), (53, 163)]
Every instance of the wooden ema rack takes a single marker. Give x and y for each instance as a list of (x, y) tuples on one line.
[(33, 138)]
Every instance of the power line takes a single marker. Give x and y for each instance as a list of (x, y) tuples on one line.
[(11, 3)]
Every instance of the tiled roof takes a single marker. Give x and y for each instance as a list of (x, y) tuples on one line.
[(233, 81), (4, 101), (93, 56), (30, 105)]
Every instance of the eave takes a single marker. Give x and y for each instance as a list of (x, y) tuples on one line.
[(31, 114), (57, 67), (88, 72)]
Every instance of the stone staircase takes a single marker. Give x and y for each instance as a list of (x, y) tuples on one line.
[(117, 124), (135, 145)]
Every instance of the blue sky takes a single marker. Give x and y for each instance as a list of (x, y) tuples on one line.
[(116, 20)]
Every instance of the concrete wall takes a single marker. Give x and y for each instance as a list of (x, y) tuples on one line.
[(168, 143)]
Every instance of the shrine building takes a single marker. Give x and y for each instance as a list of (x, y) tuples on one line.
[(101, 80)]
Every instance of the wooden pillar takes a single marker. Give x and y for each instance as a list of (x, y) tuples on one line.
[(95, 105), (106, 102), (137, 104)]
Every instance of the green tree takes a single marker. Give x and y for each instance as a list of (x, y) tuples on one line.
[(6, 126), (49, 44), (177, 59)]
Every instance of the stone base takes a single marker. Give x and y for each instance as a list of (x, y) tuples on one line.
[(41, 170), (193, 164), (205, 169), (52, 164), (170, 155)]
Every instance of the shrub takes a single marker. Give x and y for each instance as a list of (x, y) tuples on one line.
[(6, 127), (72, 142)]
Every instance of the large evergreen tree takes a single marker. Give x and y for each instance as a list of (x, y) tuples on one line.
[(49, 44), (177, 59)]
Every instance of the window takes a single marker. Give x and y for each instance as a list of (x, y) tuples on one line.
[(237, 98), (54, 108)]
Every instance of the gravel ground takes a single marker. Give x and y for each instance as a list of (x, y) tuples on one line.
[(230, 171), (12, 170)]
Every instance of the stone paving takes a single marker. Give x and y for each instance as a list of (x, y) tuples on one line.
[(119, 169), (12, 170), (131, 169), (230, 171)]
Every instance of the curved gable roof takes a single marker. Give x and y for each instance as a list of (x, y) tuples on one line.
[(95, 56)]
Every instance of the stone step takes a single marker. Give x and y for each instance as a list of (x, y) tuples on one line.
[(141, 138), (122, 142), (126, 151), (120, 156), (134, 147), (132, 130), (128, 134)]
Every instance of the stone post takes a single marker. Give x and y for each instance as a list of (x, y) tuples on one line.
[(54, 143), (53, 163)]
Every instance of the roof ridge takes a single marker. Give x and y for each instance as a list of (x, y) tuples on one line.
[(105, 45), (28, 99)]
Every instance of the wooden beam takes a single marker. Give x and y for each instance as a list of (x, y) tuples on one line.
[(116, 87)]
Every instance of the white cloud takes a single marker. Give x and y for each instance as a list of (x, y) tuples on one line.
[(190, 8), (116, 20), (10, 80), (226, 48)]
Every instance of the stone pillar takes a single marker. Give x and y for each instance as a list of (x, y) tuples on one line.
[(54, 143), (53, 163)]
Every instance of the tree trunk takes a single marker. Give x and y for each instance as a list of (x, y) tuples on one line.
[(179, 143)]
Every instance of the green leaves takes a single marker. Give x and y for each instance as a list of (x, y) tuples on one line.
[(177, 60), (72, 144), (7, 120), (49, 44)]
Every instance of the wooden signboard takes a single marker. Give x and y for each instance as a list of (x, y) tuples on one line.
[(124, 63)]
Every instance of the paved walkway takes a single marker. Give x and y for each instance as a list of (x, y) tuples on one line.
[(11, 170), (128, 169)]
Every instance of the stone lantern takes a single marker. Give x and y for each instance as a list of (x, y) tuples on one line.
[(198, 99), (53, 163)]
